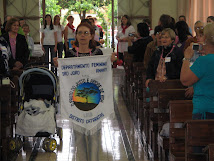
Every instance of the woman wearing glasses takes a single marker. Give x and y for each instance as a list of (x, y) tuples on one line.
[(87, 145), (85, 44)]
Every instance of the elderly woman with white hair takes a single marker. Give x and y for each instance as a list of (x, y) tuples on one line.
[(166, 61)]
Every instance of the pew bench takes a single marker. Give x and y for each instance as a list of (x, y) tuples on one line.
[(198, 133), (180, 112), (154, 87), (164, 96), (209, 151)]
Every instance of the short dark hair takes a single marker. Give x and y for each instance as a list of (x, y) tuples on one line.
[(92, 42), (211, 17), (183, 30), (143, 29), (91, 18), (147, 20), (182, 16), (10, 23), (165, 21), (69, 17), (158, 29), (86, 21)]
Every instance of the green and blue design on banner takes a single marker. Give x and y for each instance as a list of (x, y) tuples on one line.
[(86, 94)]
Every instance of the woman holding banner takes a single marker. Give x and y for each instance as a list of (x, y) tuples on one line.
[(87, 145)]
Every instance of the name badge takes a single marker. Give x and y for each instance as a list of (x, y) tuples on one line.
[(167, 59)]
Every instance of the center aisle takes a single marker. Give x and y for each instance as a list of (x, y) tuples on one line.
[(130, 137), (119, 138)]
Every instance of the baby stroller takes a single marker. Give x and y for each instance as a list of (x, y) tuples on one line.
[(38, 108)]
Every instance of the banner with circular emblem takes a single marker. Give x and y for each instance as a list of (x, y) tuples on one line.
[(86, 94)]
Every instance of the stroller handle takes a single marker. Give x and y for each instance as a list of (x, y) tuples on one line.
[(38, 64)]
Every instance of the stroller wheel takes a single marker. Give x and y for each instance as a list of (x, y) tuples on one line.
[(51, 145), (15, 144), (44, 144), (60, 133)]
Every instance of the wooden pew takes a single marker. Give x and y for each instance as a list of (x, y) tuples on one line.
[(138, 69), (164, 96), (144, 102), (128, 60), (198, 133), (180, 112), (154, 86), (209, 151)]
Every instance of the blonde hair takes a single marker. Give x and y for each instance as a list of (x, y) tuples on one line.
[(198, 24), (170, 32), (209, 33)]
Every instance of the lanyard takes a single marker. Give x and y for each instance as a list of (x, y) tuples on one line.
[(77, 49), (168, 53)]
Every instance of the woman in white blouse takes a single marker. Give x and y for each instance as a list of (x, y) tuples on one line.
[(69, 32), (49, 38), (124, 30), (60, 32)]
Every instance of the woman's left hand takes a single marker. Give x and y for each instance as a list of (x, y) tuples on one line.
[(163, 79), (189, 52), (189, 92)]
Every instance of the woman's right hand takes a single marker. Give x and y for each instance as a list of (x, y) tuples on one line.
[(55, 61), (189, 52)]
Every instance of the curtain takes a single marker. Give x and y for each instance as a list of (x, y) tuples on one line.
[(195, 10)]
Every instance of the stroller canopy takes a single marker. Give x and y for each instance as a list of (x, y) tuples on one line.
[(38, 83)]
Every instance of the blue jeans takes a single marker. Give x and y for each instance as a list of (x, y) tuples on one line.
[(87, 146), (60, 48)]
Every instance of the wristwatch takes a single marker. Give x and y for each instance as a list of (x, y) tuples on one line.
[(186, 59)]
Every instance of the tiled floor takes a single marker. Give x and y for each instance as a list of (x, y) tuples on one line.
[(119, 138)]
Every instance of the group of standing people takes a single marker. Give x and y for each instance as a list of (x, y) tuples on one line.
[(174, 53), (53, 34)]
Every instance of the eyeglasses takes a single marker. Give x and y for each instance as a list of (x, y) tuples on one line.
[(158, 33), (200, 28), (86, 33), (165, 37)]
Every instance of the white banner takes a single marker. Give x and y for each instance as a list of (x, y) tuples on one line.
[(86, 95)]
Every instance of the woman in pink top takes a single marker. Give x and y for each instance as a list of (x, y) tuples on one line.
[(17, 43)]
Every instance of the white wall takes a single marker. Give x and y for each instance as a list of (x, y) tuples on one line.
[(30, 9), (160, 7), (133, 8)]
